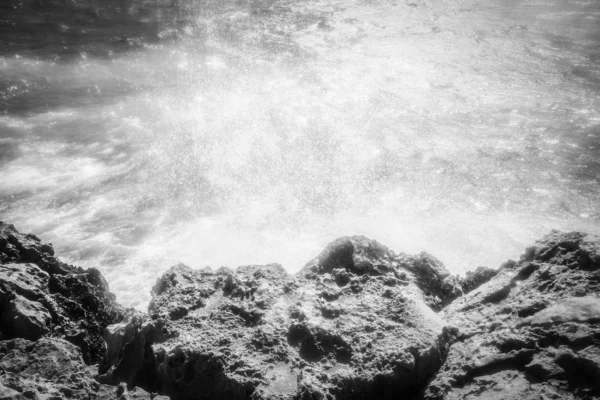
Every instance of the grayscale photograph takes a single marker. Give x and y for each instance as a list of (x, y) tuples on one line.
[(299, 199)]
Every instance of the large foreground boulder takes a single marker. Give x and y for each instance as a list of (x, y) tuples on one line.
[(41, 296), (533, 331), (54, 369), (357, 321), (46, 368)]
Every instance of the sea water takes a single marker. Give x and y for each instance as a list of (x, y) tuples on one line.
[(136, 134)]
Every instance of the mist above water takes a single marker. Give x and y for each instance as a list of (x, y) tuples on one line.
[(138, 134)]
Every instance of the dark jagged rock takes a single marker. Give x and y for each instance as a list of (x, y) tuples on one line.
[(532, 331), (478, 277), (358, 256), (353, 322), (434, 279), (41, 296), (18, 248), (51, 368), (48, 368), (358, 320)]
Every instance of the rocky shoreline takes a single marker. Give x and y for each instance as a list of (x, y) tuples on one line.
[(357, 321)]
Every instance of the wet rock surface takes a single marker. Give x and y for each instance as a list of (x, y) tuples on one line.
[(46, 368), (358, 320), (354, 321), (42, 296), (533, 331), (52, 368)]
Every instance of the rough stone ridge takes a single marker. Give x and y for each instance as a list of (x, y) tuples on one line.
[(359, 320), (41, 296), (533, 331), (358, 255), (353, 322)]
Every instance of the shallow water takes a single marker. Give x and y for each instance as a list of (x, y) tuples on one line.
[(137, 134)]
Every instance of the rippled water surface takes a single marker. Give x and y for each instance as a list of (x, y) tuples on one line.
[(136, 134)]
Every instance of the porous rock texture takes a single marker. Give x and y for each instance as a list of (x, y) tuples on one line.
[(533, 331), (358, 320), (52, 317), (41, 296), (53, 369)]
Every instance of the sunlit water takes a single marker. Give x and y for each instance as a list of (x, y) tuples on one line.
[(137, 134)]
